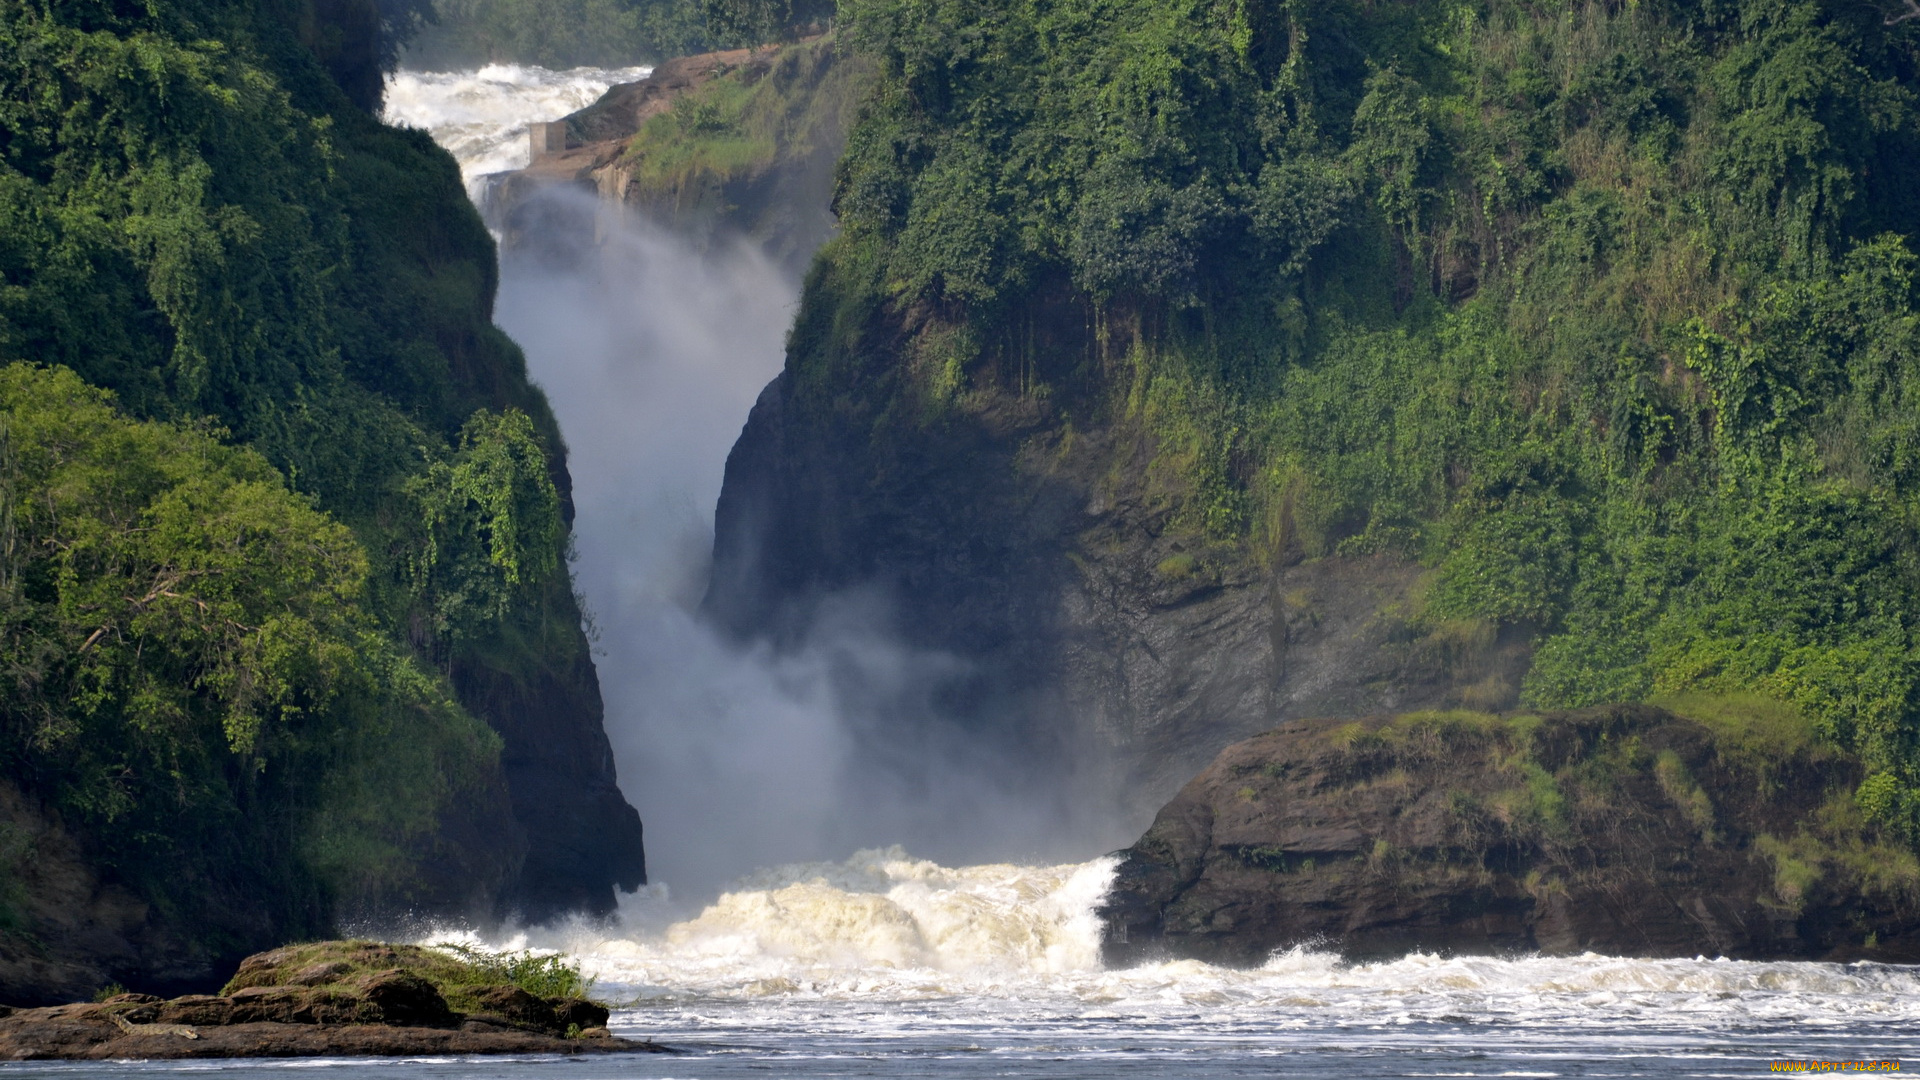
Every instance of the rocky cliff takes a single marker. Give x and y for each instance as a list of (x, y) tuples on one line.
[(1034, 536), (1182, 373), (206, 745), (1628, 831)]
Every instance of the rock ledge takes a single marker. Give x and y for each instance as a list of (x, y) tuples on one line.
[(1626, 830), (333, 998)]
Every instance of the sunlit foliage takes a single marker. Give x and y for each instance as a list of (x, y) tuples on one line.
[(1604, 312)]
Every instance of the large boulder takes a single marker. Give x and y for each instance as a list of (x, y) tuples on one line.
[(333, 998), (1625, 830)]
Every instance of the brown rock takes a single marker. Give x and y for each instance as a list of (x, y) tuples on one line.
[(401, 997), (199, 1010), (578, 1012), (515, 1006), (316, 974), (47, 1034), (1624, 830)]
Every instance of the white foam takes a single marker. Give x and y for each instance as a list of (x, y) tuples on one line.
[(1002, 942), (481, 116)]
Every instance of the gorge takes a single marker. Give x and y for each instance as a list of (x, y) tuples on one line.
[(1480, 434)]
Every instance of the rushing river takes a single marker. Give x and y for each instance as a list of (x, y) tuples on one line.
[(884, 965)]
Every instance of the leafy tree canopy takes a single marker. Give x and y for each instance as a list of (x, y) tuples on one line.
[(1605, 312)]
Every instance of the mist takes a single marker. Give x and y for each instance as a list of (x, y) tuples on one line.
[(652, 350)]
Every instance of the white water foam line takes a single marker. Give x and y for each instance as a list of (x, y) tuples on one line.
[(884, 927)]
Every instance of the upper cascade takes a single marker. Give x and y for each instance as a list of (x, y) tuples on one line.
[(481, 117)]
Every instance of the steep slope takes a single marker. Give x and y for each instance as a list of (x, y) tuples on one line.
[(1187, 367), (198, 214)]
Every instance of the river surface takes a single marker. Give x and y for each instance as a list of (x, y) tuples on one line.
[(886, 965)]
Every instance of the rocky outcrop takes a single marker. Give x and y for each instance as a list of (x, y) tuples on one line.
[(1033, 537), (623, 108), (562, 786), (331, 998), (1625, 830)]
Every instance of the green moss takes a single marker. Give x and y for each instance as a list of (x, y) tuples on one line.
[(1794, 872), (457, 971), (1678, 784), (1751, 726), (1177, 567)]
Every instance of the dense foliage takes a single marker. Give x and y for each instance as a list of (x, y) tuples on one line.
[(607, 33), (188, 665), (556, 33), (1605, 312), (253, 654)]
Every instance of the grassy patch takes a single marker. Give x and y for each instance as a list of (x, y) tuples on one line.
[(457, 971), (1750, 727), (1679, 785), (1176, 567)]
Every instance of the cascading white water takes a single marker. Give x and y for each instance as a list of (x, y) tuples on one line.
[(481, 116), (885, 928), (879, 923), (885, 964)]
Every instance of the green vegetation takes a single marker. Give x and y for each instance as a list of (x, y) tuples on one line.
[(608, 33), (192, 672), (736, 125), (545, 976), (275, 495), (1605, 312), (458, 972)]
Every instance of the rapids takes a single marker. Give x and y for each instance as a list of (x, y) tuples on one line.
[(887, 965), (481, 116)]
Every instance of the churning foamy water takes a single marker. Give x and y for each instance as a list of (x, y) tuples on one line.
[(482, 116), (887, 965)]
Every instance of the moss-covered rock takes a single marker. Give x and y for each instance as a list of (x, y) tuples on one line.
[(415, 984), (1628, 830), (335, 998)]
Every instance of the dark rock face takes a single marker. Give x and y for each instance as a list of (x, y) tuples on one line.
[(1035, 544), (85, 928), (1622, 830), (584, 839)]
